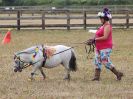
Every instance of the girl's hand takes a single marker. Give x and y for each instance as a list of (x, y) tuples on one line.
[(90, 41)]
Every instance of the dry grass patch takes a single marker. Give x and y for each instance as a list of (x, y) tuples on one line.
[(16, 85)]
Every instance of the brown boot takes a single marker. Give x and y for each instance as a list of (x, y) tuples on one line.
[(97, 75), (117, 73)]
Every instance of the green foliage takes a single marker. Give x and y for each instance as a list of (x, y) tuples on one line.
[(92, 2), (65, 2), (58, 2), (30, 2), (18, 2), (8, 2), (43, 2)]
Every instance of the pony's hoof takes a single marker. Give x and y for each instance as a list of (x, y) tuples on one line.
[(68, 79), (43, 78), (30, 79)]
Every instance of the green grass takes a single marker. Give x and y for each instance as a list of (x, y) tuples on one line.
[(17, 86)]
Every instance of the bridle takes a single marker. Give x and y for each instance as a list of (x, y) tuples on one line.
[(19, 60), (27, 64)]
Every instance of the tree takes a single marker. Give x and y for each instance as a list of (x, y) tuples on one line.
[(19, 3), (8, 2), (62, 3), (30, 2)]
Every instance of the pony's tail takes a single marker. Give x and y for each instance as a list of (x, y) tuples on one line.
[(72, 62)]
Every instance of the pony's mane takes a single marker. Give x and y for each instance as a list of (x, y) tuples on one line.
[(28, 50)]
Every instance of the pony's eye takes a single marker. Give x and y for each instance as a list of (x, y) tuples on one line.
[(18, 58)]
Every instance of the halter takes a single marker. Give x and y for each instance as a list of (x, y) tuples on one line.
[(24, 66), (31, 63)]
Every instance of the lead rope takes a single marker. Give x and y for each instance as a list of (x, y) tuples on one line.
[(91, 49)]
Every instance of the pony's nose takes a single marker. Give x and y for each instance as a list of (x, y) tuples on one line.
[(15, 70)]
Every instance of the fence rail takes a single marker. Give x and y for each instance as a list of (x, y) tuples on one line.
[(66, 15)]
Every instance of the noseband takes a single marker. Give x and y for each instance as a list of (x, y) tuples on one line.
[(27, 64), (21, 61)]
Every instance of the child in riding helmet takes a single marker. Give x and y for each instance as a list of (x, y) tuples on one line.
[(103, 42)]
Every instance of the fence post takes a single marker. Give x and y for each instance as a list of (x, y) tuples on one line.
[(110, 21), (18, 20), (43, 20), (32, 14), (68, 19), (84, 20), (127, 19)]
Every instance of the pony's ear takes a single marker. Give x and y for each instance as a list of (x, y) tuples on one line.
[(14, 56), (15, 53)]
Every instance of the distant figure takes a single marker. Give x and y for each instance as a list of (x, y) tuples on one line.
[(53, 8), (52, 11), (103, 42)]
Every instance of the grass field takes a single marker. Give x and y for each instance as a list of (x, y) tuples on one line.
[(16, 85)]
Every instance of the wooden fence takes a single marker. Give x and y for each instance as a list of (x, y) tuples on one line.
[(67, 15)]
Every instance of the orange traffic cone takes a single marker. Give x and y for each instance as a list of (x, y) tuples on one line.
[(7, 37)]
